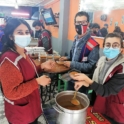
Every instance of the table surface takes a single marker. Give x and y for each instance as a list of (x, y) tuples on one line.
[(56, 69), (36, 62)]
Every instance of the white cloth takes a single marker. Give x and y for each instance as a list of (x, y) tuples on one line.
[(3, 119), (100, 66)]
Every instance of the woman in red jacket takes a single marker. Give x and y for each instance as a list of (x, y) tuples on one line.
[(19, 77), (108, 80)]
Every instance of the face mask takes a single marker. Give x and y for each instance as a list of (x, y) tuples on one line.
[(81, 29), (22, 40), (38, 31), (94, 32), (111, 53)]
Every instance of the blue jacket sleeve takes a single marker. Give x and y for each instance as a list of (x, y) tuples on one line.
[(70, 53), (87, 67)]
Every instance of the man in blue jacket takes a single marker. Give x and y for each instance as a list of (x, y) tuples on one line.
[(84, 53)]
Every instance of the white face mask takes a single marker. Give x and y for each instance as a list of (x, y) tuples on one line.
[(22, 40)]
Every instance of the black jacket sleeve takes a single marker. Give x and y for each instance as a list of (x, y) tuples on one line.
[(112, 87)]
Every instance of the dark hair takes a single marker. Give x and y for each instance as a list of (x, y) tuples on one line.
[(111, 35), (106, 25), (82, 13), (6, 19), (95, 25), (38, 23), (90, 25), (117, 29), (12, 24), (104, 32)]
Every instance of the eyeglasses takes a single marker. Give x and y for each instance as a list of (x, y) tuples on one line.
[(114, 45), (81, 23)]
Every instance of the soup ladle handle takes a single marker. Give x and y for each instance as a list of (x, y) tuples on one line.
[(75, 94)]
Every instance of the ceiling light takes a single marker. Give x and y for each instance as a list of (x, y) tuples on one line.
[(19, 1), (21, 14), (85, 7), (106, 11), (16, 6), (108, 3), (2, 4), (87, 1)]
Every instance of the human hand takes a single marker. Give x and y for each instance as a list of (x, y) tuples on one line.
[(48, 65), (82, 77), (43, 80), (67, 63), (63, 58), (79, 84)]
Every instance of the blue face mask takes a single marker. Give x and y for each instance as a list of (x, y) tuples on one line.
[(22, 40), (111, 53)]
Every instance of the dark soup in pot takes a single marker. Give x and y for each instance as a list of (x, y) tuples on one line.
[(65, 102)]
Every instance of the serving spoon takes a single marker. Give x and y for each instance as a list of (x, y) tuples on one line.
[(74, 100)]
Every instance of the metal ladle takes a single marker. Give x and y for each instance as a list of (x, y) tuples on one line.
[(74, 101)]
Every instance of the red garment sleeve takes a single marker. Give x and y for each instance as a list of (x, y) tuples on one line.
[(12, 82), (38, 66)]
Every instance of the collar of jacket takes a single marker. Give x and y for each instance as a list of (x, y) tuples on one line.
[(84, 38), (100, 65)]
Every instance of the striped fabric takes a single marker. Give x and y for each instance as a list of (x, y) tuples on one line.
[(87, 48)]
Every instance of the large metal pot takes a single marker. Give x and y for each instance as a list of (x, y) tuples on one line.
[(66, 116)]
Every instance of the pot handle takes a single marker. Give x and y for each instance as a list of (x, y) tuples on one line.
[(57, 109)]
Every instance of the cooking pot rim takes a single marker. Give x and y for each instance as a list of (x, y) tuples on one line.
[(72, 111)]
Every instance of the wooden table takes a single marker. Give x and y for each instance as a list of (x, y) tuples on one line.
[(57, 69), (36, 62)]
